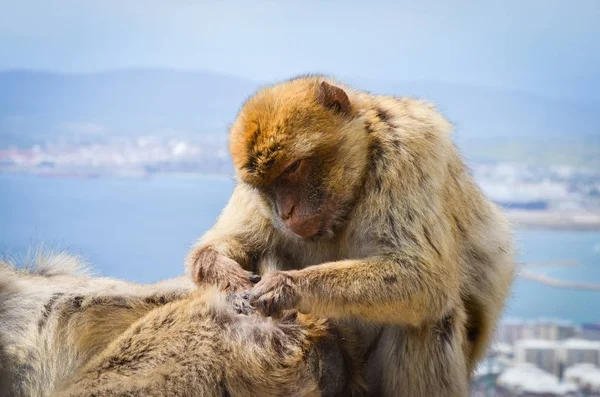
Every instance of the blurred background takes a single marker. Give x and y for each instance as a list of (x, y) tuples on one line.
[(114, 119)]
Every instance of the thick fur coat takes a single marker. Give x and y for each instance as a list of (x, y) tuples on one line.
[(66, 333)]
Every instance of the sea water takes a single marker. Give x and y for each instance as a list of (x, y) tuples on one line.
[(142, 229)]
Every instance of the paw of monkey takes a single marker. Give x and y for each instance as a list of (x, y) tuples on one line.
[(274, 294), (213, 268)]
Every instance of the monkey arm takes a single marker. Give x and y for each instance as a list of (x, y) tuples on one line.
[(229, 246), (221, 260), (400, 289), (397, 289)]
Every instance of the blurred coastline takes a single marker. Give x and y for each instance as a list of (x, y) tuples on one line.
[(533, 196), (568, 219)]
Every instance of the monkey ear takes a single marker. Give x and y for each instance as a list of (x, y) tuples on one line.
[(333, 97)]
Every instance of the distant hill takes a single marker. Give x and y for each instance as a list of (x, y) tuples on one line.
[(37, 107)]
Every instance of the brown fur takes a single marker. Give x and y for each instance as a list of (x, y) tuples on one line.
[(66, 333), (199, 346), (408, 249), (91, 324)]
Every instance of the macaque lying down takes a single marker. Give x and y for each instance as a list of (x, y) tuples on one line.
[(66, 333)]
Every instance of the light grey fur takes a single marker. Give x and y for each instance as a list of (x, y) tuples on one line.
[(32, 359)]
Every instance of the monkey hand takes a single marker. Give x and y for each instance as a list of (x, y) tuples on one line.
[(213, 268), (274, 294)]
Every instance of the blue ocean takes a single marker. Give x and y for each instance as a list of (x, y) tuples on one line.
[(142, 229)]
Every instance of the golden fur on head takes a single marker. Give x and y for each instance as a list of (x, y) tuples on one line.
[(280, 124)]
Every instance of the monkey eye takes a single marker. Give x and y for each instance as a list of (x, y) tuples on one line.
[(293, 167)]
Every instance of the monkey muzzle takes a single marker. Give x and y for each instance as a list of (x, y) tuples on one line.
[(305, 227)]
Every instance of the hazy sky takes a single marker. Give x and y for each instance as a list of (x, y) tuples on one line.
[(549, 47)]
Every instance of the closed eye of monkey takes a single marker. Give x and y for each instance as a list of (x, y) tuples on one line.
[(358, 207)]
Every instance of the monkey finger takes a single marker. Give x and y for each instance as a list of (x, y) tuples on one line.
[(256, 293), (263, 306), (275, 310)]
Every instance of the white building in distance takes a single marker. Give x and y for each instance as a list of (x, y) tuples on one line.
[(526, 380), (543, 354), (554, 356), (585, 376), (512, 330)]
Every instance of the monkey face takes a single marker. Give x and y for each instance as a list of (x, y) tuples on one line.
[(286, 142)]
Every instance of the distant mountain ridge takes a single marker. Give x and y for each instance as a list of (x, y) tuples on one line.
[(39, 107)]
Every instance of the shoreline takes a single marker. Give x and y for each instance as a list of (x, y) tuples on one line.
[(582, 220), (576, 220), (556, 283)]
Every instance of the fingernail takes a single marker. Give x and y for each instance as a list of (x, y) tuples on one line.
[(255, 278)]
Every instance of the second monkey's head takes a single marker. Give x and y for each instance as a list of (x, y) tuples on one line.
[(301, 144)]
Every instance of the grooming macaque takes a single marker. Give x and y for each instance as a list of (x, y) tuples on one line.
[(64, 334), (358, 208)]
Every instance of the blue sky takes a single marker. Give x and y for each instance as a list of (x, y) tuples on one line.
[(547, 47)]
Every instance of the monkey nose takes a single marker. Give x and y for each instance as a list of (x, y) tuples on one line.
[(286, 213)]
